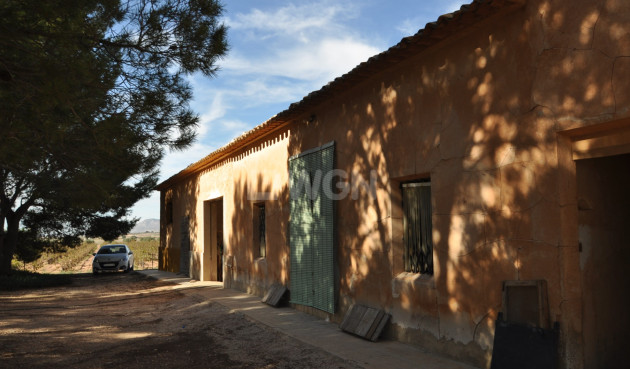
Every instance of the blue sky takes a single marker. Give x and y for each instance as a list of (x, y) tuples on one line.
[(280, 51)]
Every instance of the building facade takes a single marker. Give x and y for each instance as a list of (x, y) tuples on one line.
[(489, 150)]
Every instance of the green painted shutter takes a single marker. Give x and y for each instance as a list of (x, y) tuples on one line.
[(324, 255), (311, 229), (300, 232)]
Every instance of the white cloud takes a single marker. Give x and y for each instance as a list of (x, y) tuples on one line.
[(454, 6), (411, 26), (264, 90), (305, 47), (304, 42), (216, 110), (292, 20), (319, 61), (235, 127)]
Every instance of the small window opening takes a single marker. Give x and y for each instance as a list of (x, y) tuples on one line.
[(417, 227), (260, 234)]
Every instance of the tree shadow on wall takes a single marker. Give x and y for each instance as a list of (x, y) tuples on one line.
[(481, 121)]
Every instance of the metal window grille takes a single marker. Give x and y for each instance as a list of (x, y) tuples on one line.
[(418, 240)]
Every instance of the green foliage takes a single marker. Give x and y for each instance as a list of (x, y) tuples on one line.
[(31, 247), (22, 279), (17, 264), (92, 93)]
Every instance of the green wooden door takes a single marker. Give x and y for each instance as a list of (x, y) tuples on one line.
[(311, 229)]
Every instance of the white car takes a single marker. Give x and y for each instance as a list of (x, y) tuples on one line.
[(112, 258)]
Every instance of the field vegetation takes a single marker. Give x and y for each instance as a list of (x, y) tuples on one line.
[(77, 259), (145, 251)]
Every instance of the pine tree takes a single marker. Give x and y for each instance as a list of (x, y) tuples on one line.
[(92, 93)]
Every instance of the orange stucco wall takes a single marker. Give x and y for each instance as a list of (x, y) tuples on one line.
[(496, 117), (258, 173)]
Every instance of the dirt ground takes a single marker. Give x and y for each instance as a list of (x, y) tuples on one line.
[(129, 320)]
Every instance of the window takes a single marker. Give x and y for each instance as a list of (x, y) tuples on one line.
[(417, 228), (260, 234)]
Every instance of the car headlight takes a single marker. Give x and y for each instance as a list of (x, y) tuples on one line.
[(124, 259)]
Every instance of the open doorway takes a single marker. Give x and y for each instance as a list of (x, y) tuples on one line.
[(604, 218), (212, 269)]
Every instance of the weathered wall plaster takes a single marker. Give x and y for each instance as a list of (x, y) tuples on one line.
[(492, 116)]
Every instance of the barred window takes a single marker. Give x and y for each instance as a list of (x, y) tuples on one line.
[(417, 227)]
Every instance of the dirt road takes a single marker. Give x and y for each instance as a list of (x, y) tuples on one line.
[(128, 320)]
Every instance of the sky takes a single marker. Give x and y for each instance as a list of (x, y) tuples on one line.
[(280, 51)]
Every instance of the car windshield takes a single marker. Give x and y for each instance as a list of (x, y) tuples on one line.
[(112, 250)]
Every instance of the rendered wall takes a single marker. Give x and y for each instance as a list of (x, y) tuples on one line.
[(492, 116), (258, 173), (481, 115)]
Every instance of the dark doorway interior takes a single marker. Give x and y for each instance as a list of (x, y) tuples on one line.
[(604, 222), (213, 241)]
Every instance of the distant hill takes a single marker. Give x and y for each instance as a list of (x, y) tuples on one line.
[(147, 225)]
